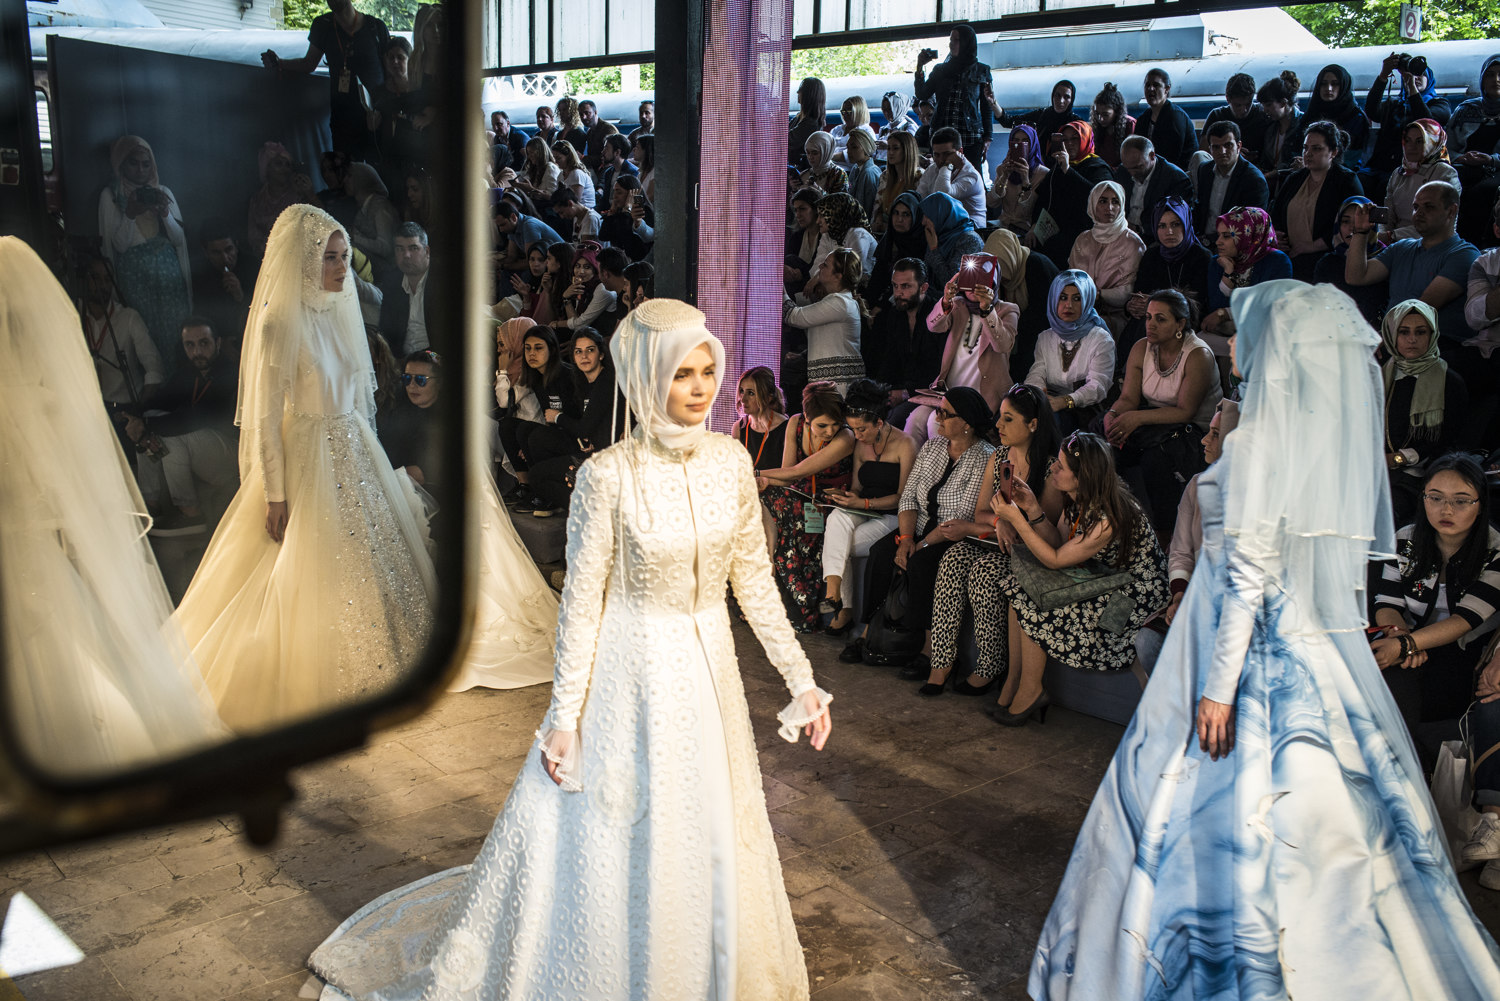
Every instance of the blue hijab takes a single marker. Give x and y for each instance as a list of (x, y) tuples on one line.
[(1033, 144), (1090, 319), (949, 219), (1430, 91), (1340, 247), (1180, 209)]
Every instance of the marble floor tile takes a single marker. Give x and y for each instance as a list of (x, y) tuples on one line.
[(90, 980), (183, 966)]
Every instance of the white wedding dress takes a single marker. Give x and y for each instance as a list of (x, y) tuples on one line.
[(96, 677), (658, 880), (343, 604)]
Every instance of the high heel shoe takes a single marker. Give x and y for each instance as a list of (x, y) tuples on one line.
[(830, 606), (936, 688), (1038, 708), (842, 630), (919, 667), (962, 687)]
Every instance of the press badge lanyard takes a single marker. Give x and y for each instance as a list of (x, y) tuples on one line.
[(812, 518)]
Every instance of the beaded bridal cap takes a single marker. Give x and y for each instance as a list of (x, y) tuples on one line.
[(648, 346)]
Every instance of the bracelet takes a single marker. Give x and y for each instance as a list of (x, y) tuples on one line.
[(1112, 413), (902, 538), (1071, 402), (1038, 519), (867, 503)]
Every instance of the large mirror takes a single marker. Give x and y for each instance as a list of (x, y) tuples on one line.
[(238, 477)]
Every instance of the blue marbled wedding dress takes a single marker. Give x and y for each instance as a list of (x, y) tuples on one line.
[(1309, 864)]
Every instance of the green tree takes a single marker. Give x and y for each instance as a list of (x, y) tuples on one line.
[(1377, 22), (398, 15), (299, 14), (854, 60)]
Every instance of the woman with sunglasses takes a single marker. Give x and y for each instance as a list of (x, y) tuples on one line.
[(409, 433), (1264, 830)]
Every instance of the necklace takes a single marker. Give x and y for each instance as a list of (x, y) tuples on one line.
[(878, 448), (1068, 353), (1165, 372)]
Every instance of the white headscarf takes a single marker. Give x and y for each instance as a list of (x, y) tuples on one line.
[(648, 346), (1105, 234)]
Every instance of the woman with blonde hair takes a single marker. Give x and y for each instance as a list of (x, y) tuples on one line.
[(856, 118), (569, 123), (541, 175)]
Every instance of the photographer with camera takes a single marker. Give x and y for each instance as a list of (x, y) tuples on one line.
[(959, 84), (126, 361), (1416, 99)]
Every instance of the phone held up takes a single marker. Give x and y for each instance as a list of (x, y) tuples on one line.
[(1007, 482)]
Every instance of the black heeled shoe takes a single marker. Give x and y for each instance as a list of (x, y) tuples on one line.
[(920, 667), (854, 653), (962, 687), (1038, 709), (842, 630), (935, 688), (830, 606)]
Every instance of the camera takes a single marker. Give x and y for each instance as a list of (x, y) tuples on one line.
[(1415, 65), (1380, 215), (928, 54), (149, 196)]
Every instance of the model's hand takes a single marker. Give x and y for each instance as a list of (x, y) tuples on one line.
[(1215, 728), (558, 746), (276, 516), (819, 729)]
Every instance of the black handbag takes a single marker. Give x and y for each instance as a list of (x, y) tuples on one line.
[(887, 641)]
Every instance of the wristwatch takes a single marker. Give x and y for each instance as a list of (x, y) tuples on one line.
[(1071, 402)]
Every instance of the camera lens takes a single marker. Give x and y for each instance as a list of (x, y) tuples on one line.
[(1418, 66)]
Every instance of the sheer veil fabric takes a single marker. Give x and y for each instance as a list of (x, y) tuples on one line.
[(336, 610), (98, 677), (652, 874)]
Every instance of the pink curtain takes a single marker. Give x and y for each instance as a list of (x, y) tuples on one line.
[(742, 183)]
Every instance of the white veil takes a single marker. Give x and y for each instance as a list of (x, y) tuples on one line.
[(1307, 485), (97, 676), (290, 313)]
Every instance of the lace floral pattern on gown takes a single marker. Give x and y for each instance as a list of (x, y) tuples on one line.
[(659, 881)]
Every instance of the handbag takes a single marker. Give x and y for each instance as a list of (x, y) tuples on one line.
[(1051, 589), (1453, 797), (887, 642)]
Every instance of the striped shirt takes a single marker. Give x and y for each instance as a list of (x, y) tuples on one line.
[(958, 498), (1417, 597)]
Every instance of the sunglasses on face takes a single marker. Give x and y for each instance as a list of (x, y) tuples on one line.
[(421, 380), (945, 414)]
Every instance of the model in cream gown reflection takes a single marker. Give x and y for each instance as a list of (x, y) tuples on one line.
[(316, 588), (96, 678), (633, 860)]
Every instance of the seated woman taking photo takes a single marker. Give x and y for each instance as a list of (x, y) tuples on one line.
[(970, 574), (1102, 522)]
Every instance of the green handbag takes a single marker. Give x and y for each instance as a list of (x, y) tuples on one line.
[(1052, 589)]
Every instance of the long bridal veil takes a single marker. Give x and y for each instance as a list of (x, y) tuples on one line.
[(97, 676)]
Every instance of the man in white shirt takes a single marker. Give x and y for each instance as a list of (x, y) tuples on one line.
[(127, 362), (952, 174), (414, 260)]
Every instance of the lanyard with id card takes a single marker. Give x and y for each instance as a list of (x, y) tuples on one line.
[(812, 518)]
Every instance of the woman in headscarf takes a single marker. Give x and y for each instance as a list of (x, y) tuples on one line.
[(316, 589), (1267, 751), (140, 230), (981, 329), (1043, 121), (1246, 255), (1176, 261), (1425, 401), (1474, 143), (950, 237), (1026, 280), (1333, 101), (896, 107), (1062, 197), (1109, 252), (960, 86), (1016, 178), (906, 237), (1424, 157), (903, 171), (643, 784), (1370, 299), (281, 186), (822, 173), (841, 223), (1417, 98), (1075, 356), (373, 230)]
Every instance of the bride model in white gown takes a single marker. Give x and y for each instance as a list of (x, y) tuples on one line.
[(634, 859), (316, 588), (97, 679)]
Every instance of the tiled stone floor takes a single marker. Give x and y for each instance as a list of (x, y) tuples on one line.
[(921, 850)]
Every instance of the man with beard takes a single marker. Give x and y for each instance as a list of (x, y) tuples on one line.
[(222, 290), (902, 352), (191, 446)]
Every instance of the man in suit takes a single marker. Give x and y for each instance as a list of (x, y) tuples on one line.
[(1147, 179), (403, 305), (1230, 181)]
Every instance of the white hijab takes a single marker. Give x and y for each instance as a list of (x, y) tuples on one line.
[(648, 347), (1105, 234)]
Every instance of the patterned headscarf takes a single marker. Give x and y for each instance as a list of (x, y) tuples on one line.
[(900, 104), (950, 220), (1434, 145), (1180, 209), (1254, 237), (1089, 293), (1085, 138), (843, 214), (1430, 371), (1033, 144)]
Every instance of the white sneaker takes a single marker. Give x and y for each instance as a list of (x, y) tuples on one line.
[(1489, 876), (1484, 843)]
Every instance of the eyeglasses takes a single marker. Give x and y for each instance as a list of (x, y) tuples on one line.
[(945, 414), (421, 380), (1450, 503)]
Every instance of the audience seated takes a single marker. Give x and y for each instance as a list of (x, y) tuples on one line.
[(540, 174), (613, 263), (523, 285), (950, 236), (865, 512), (952, 174), (223, 288), (585, 298), (941, 504), (404, 308), (905, 353), (905, 237), (864, 175), (854, 116), (598, 131), (896, 108), (1305, 209), (614, 164), (546, 384), (572, 174), (1145, 180), (1062, 198), (817, 457), (842, 223), (1369, 298), (582, 223), (812, 116), (1424, 157), (509, 136), (1474, 147), (1426, 402), (1245, 254), (981, 331), (1012, 199), (619, 225), (903, 170), (1109, 252), (412, 431), (1110, 123), (640, 283), (282, 185), (593, 417), (1282, 140), (126, 360), (1333, 100), (1230, 181), (1075, 355), (546, 303), (970, 574), (1416, 99), (546, 125), (1239, 108), (519, 231), (1175, 261), (802, 238), (1101, 522), (762, 423), (570, 124), (1042, 121), (1026, 280), (832, 317), (1164, 123), (1170, 393), (822, 174), (643, 153)]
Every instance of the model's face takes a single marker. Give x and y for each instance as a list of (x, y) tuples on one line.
[(1070, 305), (901, 217), (1213, 442), (1449, 502), (335, 263), (1015, 430), (1169, 231), (1224, 242), (412, 255), (1156, 90), (648, 116), (1136, 163), (418, 372), (1063, 477), (536, 353), (822, 429), (586, 356), (536, 261), (1106, 207), (200, 345), (1225, 150), (1328, 87), (693, 387), (1161, 325), (223, 255), (136, 168), (1062, 99), (906, 291), (747, 398), (1413, 336)]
